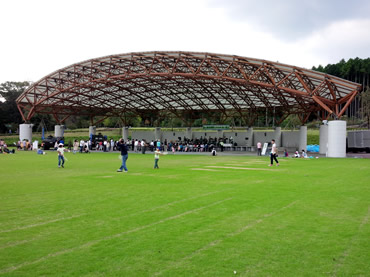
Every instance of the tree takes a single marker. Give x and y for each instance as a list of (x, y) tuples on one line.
[(365, 98), (9, 114)]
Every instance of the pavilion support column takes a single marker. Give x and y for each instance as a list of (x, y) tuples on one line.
[(323, 139), (189, 133), (277, 136), (125, 133), (25, 132), (220, 134), (157, 134), (337, 134), (59, 130), (92, 131), (302, 138), (249, 141)]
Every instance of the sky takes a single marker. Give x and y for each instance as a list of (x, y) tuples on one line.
[(39, 37)]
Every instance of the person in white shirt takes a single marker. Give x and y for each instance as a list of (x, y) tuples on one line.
[(111, 144), (136, 145), (259, 149), (273, 154), (60, 151), (157, 153), (82, 142), (142, 143)]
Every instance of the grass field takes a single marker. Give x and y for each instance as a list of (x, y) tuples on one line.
[(195, 216)]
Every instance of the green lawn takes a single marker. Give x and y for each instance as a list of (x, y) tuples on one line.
[(195, 216)]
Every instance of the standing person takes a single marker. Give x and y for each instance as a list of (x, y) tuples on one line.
[(111, 144), (273, 153), (60, 151), (157, 153), (123, 148), (136, 145), (142, 143), (259, 149), (75, 146), (81, 145)]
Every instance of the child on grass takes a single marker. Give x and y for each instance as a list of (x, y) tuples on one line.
[(157, 153), (60, 151)]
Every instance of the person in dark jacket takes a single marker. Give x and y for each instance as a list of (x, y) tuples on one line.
[(123, 148)]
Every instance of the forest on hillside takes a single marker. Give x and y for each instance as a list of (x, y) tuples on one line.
[(355, 70)]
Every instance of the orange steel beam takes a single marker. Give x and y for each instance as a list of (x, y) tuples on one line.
[(175, 81)]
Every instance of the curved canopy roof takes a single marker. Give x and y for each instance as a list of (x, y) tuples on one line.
[(180, 82)]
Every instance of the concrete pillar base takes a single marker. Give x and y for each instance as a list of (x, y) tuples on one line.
[(277, 136), (249, 141), (92, 130), (220, 134), (302, 138), (158, 134), (189, 133), (125, 133), (323, 139), (59, 130), (337, 134), (25, 132)]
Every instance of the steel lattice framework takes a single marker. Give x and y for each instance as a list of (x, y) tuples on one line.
[(185, 83)]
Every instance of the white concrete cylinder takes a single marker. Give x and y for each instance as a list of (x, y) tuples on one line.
[(125, 133), (189, 133), (220, 134), (92, 130), (277, 136), (323, 139), (302, 138), (337, 130), (249, 141), (25, 132), (59, 130), (157, 133)]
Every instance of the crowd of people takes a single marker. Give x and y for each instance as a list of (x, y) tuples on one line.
[(185, 145), (24, 145), (158, 147)]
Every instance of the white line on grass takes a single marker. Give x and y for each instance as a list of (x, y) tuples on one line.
[(204, 169), (40, 223), (233, 167), (216, 242), (173, 203), (93, 242), (13, 244), (348, 249)]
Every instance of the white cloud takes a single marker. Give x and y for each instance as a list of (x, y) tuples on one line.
[(342, 39), (42, 36)]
